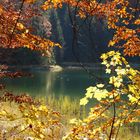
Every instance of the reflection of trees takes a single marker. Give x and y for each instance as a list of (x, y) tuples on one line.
[(54, 83), (50, 81)]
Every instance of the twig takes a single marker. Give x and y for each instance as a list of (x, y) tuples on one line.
[(75, 31), (20, 11), (118, 128), (114, 116)]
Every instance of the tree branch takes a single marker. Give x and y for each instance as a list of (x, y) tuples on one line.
[(20, 11)]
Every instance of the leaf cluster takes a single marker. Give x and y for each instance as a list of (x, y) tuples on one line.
[(118, 102), (21, 117)]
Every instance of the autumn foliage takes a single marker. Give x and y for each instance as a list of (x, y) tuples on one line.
[(118, 102), (118, 99), (121, 17), (15, 31), (24, 118)]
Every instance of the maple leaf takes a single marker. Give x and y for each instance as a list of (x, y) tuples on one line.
[(132, 99), (100, 94), (83, 101)]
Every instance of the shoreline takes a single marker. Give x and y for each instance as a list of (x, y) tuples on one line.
[(67, 66)]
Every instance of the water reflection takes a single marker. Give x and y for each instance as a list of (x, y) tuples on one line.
[(50, 81), (68, 82)]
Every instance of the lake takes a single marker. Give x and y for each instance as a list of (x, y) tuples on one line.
[(70, 82)]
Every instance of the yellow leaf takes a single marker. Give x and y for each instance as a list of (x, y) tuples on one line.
[(20, 26), (132, 99), (104, 56), (100, 85), (83, 101), (89, 94), (99, 94), (108, 71), (111, 43)]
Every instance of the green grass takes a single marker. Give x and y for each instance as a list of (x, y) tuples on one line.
[(67, 106), (70, 108)]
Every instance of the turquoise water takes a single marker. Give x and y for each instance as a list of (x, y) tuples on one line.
[(70, 82)]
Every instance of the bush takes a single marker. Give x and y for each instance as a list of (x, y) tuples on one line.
[(23, 118)]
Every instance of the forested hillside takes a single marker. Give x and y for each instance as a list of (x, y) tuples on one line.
[(93, 37)]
